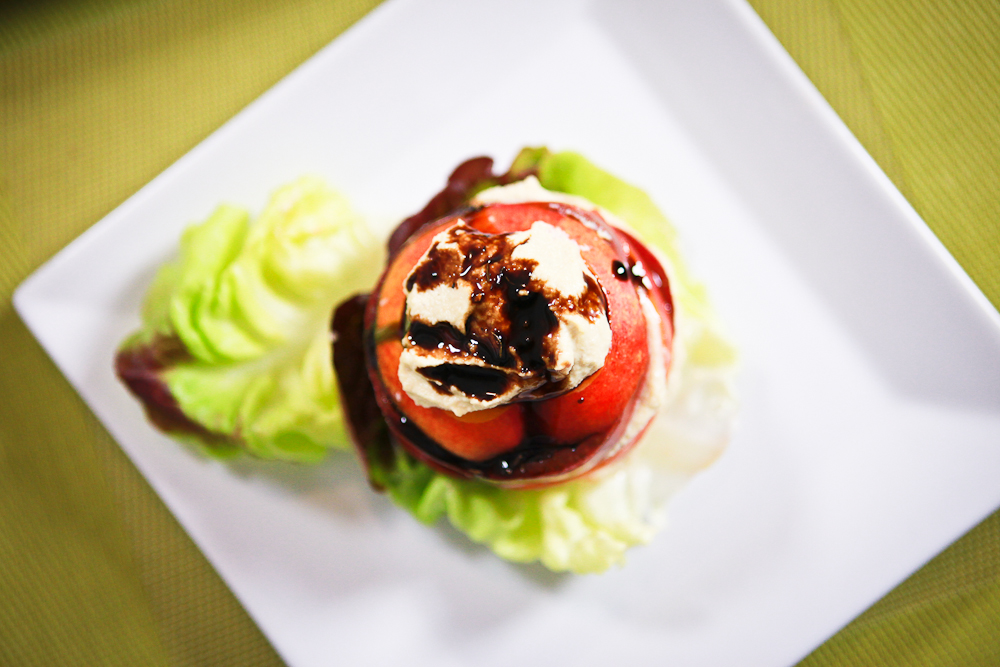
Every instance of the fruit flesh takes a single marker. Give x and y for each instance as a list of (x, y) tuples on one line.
[(531, 441)]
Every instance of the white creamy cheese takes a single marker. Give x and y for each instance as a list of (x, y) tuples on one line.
[(581, 343), (530, 189), (442, 303), (558, 262), (527, 190)]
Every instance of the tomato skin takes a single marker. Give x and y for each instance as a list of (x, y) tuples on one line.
[(578, 425)]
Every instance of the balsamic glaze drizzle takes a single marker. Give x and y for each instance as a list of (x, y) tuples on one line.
[(512, 319)]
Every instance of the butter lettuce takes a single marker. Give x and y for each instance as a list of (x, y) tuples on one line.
[(235, 349)]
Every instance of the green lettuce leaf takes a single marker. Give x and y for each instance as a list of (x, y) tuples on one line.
[(586, 525), (245, 312)]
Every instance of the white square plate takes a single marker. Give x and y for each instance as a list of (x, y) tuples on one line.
[(870, 427)]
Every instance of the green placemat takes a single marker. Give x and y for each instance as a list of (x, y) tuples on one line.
[(98, 97)]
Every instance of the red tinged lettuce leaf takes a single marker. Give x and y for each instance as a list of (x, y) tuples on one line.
[(234, 353)]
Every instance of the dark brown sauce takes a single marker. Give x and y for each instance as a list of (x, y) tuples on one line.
[(442, 336), (534, 457), (531, 321), (513, 316), (479, 382)]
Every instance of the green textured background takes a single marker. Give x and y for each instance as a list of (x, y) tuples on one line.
[(97, 97)]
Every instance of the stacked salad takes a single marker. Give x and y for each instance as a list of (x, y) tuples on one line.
[(255, 341)]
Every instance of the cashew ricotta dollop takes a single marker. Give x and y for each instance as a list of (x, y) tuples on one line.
[(495, 318)]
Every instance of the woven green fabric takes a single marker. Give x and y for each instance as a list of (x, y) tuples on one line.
[(99, 96)]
